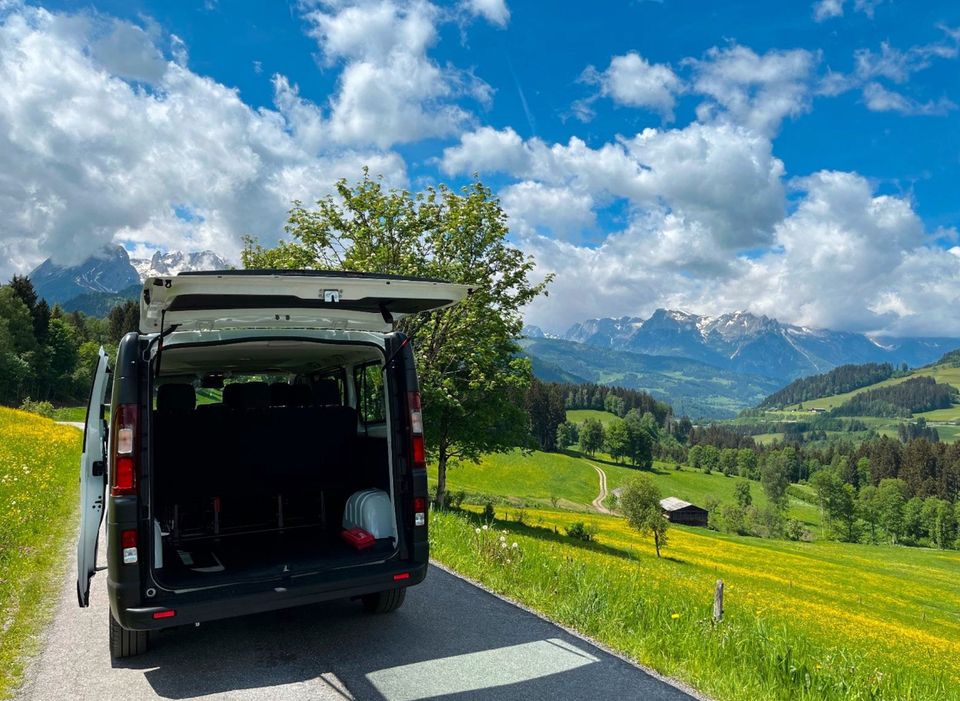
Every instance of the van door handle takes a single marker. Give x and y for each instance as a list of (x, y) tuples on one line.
[(97, 468)]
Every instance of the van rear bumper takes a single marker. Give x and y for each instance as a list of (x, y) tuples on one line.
[(200, 606)]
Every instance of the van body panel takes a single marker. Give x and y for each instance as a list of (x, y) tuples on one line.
[(288, 299)]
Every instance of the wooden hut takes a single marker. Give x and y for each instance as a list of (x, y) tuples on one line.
[(683, 512)]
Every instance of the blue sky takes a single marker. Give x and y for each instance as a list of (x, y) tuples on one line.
[(797, 159)]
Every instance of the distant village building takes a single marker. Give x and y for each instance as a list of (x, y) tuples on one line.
[(818, 410), (683, 512)]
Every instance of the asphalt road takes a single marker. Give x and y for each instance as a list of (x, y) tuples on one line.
[(449, 640)]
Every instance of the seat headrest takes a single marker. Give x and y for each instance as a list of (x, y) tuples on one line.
[(326, 393), (280, 394), (300, 395), (176, 396), (234, 395), (257, 395)]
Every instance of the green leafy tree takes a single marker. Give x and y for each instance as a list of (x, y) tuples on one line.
[(775, 478), (747, 464), (642, 435), (892, 495), (709, 458), (914, 526), (617, 439), (19, 321), (695, 456), (868, 508), (62, 353), (741, 492), (592, 436), (943, 526), (728, 461), (566, 435), (472, 376), (640, 503)]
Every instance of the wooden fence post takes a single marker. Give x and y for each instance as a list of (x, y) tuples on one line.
[(718, 602)]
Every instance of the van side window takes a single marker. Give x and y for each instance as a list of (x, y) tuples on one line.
[(368, 380)]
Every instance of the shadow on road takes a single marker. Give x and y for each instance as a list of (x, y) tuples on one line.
[(449, 640)]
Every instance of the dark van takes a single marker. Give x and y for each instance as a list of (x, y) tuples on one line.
[(257, 445)]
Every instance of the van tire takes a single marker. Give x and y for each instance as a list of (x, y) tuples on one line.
[(384, 601), (126, 643)]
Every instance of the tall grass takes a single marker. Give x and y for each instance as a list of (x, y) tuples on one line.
[(659, 611), (39, 468)]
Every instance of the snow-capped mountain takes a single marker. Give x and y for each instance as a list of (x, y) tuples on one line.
[(106, 271), (175, 262), (754, 344), (111, 270), (535, 332)]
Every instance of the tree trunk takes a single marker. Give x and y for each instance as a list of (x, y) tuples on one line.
[(441, 477), (656, 542)]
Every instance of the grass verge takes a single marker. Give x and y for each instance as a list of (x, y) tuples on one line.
[(802, 620), (39, 491)]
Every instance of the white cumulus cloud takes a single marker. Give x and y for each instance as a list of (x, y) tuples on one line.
[(756, 91), (494, 11), (101, 142), (633, 81), (390, 90)]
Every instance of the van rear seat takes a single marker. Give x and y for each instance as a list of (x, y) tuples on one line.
[(295, 450), (174, 428)]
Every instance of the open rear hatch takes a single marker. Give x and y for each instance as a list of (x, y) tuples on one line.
[(288, 299)]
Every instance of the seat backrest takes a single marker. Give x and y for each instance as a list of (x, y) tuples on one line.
[(234, 395), (326, 393), (280, 394)]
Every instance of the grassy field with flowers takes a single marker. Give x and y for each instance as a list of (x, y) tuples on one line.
[(802, 620), (39, 491)]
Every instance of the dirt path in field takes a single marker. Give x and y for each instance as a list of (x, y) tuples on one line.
[(75, 424), (598, 502)]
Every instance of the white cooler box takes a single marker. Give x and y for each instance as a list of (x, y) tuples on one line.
[(372, 511)]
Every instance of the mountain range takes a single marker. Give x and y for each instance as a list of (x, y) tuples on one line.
[(705, 366), (747, 343), (110, 277)]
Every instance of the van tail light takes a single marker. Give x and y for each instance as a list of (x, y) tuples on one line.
[(419, 511), (128, 541), (418, 454), (124, 450)]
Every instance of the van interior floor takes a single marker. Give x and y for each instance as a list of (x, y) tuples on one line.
[(259, 556)]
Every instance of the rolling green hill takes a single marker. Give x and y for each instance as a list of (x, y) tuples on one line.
[(537, 478)]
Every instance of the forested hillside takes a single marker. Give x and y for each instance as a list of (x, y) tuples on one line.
[(915, 395), (839, 380)]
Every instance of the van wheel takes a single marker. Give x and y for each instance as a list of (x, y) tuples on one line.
[(384, 601), (126, 643)]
